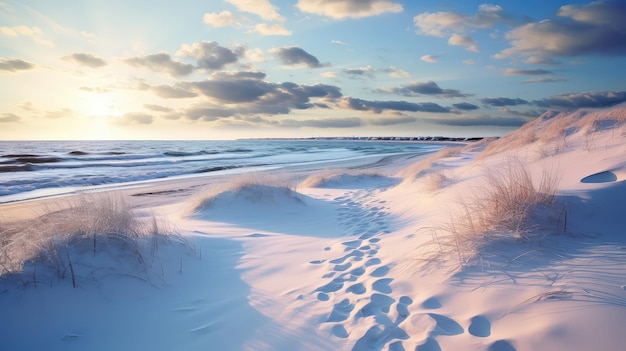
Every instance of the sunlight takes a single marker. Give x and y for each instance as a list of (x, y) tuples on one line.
[(101, 105)]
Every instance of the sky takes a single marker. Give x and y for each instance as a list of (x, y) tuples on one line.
[(228, 69)]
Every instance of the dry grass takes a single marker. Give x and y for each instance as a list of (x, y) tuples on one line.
[(47, 247), (503, 205), (320, 179)]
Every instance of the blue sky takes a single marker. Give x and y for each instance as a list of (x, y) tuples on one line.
[(226, 69)]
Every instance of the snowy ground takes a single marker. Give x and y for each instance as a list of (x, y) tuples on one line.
[(378, 258)]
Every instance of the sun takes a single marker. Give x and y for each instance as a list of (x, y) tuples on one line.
[(101, 105)]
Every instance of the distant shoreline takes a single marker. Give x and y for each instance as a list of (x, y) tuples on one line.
[(387, 138)]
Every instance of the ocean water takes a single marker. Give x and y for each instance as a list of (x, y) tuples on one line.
[(31, 169)]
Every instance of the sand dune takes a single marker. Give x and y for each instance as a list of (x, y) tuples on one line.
[(511, 244)]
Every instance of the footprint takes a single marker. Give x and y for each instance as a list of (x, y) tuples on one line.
[(377, 336), (357, 272), (431, 303), (445, 325), (374, 240), (480, 326), (352, 244), (372, 261), (357, 289), (354, 253), (333, 286), (382, 285), (317, 262), (501, 345), (339, 331), (380, 271), (323, 296), (430, 345), (403, 307), (342, 267), (257, 235), (378, 303), (341, 311), (396, 346)]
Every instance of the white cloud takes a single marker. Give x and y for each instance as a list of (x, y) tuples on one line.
[(396, 72), (222, 19), (339, 42), (429, 58), (468, 62), (271, 29), (256, 55), (262, 8), (441, 24), (34, 33), (329, 74), (341, 9), (462, 40)]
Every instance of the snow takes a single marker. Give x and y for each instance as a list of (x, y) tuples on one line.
[(363, 261)]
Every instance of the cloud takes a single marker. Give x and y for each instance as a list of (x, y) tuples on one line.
[(135, 118), (60, 113), (329, 74), (222, 19), (529, 113), (292, 56), (207, 114), (396, 72), (340, 9), (252, 94), (526, 72), (468, 62), (392, 120), (9, 118), (441, 24), (32, 32), (96, 90), (14, 65), (430, 58), (502, 101), (172, 92), (425, 88), (477, 121), (255, 55), (380, 106), (262, 8), (466, 106), (157, 108), (210, 55), (88, 60), (366, 71), (347, 122), (545, 80), (583, 100), (271, 29), (162, 63), (597, 28), (339, 42), (465, 41)]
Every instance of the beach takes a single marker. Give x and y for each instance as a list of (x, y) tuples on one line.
[(511, 243)]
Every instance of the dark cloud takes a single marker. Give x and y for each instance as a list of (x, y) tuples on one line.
[(210, 55), (162, 63), (360, 71), (348, 122), (390, 121), (172, 92), (208, 113), (292, 56), (502, 101), (597, 28), (9, 118), (425, 88), (479, 121), (14, 65), (466, 106), (88, 60), (529, 113), (403, 106), (583, 100)]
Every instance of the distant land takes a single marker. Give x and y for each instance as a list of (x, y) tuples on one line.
[(380, 138)]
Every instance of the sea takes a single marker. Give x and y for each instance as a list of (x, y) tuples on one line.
[(34, 169)]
